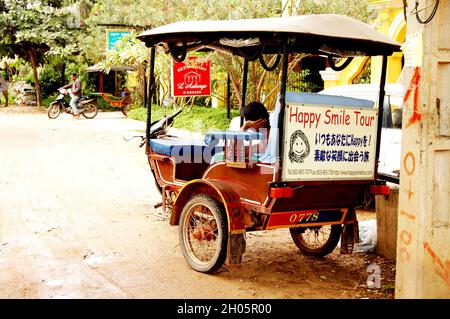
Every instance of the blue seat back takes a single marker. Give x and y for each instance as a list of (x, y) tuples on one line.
[(185, 151)]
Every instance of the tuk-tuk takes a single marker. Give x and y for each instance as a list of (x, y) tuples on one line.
[(321, 159)]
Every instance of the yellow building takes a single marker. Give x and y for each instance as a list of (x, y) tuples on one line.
[(391, 22)]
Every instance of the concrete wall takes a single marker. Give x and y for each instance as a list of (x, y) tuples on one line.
[(423, 239)]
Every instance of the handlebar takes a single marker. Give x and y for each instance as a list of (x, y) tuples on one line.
[(162, 124), (143, 139)]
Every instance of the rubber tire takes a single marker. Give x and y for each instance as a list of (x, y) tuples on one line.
[(219, 214), (94, 114), (324, 250), (50, 108)]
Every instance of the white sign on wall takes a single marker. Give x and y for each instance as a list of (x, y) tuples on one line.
[(329, 143)]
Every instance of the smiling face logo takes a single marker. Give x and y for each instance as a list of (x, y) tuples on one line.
[(299, 147)]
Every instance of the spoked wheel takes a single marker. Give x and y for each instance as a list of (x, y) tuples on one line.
[(316, 241), (54, 111), (204, 234), (90, 111)]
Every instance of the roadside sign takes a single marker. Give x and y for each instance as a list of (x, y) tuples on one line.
[(324, 142), (112, 36), (191, 77)]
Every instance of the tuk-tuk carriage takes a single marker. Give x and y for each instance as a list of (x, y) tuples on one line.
[(320, 163)]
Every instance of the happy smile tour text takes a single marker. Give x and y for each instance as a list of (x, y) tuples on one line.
[(336, 117)]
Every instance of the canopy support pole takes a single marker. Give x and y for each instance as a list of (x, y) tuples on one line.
[(145, 87), (244, 90), (150, 93), (283, 84), (228, 96), (380, 111)]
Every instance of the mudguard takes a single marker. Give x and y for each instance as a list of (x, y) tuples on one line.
[(219, 190)]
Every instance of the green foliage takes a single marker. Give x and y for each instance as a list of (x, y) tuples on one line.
[(195, 119), (357, 9), (34, 31), (163, 12), (50, 79), (130, 51), (28, 78), (40, 26), (50, 76), (49, 99), (364, 76), (35, 25), (301, 81)]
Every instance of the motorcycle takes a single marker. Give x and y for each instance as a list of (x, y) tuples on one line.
[(86, 105)]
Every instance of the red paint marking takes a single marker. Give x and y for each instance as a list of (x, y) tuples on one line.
[(440, 268), (414, 86), (404, 254), (410, 192), (407, 215), (409, 170), (405, 237)]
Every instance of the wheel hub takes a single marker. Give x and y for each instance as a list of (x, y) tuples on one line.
[(204, 232)]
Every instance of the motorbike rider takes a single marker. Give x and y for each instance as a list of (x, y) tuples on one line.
[(75, 87)]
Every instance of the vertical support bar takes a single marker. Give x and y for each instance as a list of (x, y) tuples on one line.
[(228, 96), (150, 97), (283, 85), (380, 111), (100, 81), (244, 89), (145, 88)]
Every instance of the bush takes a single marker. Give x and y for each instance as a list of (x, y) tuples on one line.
[(50, 80), (195, 119), (49, 99)]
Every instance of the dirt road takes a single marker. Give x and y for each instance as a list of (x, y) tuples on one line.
[(76, 221)]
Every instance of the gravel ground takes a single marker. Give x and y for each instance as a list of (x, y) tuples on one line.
[(77, 221)]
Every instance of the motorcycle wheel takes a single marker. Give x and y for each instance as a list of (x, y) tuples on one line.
[(90, 111), (316, 241), (203, 234), (54, 111)]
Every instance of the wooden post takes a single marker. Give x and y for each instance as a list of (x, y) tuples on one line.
[(387, 220)]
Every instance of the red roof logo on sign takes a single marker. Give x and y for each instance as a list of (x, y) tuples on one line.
[(191, 78)]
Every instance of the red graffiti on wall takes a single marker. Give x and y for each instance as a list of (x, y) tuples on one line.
[(414, 86), (407, 215), (440, 268)]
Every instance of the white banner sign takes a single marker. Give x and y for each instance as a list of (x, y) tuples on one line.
[(329, 143)]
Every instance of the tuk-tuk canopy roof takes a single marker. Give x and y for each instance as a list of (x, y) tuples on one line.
[(329, 34)]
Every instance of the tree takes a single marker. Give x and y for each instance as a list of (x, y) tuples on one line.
[(153, 13), (163, 12), (34, 30), (357, 9)]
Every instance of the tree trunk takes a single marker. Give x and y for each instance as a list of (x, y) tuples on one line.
[(37, 86), (63, 73)]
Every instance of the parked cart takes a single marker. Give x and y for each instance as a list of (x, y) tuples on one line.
[(320, 164), (120, 102)]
